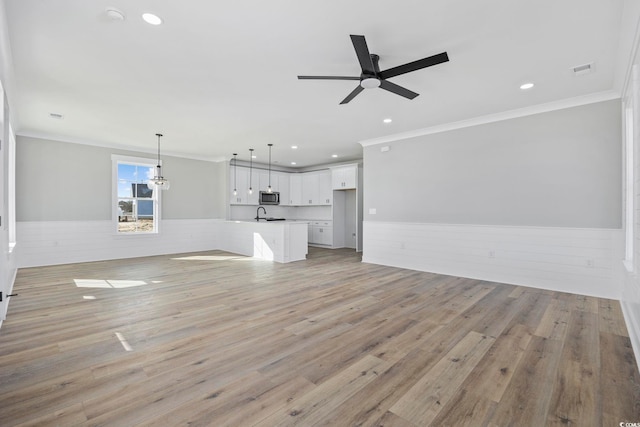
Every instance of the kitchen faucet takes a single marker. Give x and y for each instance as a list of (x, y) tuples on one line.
[(258, 213)]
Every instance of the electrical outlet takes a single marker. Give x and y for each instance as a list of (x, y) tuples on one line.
[(492, 254), (591, 263)]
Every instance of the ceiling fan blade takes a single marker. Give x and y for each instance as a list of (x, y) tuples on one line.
[(352, 95), (327, 78), (398, 90), (362, 51), (415, 65)]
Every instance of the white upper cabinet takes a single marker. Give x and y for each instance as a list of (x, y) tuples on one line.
[(344, 177), (282, 186), (239, 181), (295, 189), (316, 188), (325, 196), (310, 188)]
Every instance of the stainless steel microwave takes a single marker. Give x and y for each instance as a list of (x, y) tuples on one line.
[(267, 198)]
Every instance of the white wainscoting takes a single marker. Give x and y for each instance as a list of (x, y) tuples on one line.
[(580, 261), (63, 242)]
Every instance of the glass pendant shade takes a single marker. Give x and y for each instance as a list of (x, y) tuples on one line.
[(158, 181)]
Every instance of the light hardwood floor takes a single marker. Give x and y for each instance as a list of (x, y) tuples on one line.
[(216, 339)]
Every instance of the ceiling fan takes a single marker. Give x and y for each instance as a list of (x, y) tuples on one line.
[(371, 76)]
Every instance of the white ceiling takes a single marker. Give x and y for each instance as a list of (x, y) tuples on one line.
[(219, 77)]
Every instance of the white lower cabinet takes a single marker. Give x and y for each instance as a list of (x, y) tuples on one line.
[(321, 233)]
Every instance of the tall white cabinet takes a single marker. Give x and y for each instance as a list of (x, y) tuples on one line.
[(346, 183)]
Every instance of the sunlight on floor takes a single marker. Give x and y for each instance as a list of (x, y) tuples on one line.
[(111, 284), (124, 342), (209, 258)]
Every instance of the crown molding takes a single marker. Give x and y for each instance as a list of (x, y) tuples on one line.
[(122, 147), (497, 117)]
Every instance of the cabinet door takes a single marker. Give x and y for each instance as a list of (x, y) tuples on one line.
[(327, 236), (337, 178), (322, 235), (295, 189), (239, 180), (325, 192), (282, 187), (253, 181), (310, 193), (343, 178), (311, 234), (350, 176)]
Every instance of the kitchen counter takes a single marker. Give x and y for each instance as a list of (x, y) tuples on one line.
[(279, 241)]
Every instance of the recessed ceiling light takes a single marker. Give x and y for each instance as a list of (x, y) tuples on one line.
[(334, 155), (526, 86), (152, 19), (293, 163), (294, 147), (387, 120)]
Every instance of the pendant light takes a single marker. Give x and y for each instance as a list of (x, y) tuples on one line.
[(158, 181), (250, 169), (269, 187), (235, 174)]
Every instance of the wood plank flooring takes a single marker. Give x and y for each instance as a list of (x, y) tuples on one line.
[(216, 339)]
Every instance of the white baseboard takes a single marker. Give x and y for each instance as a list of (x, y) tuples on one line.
[(580, 261), (64, 242), (630, 304), (631, 312)]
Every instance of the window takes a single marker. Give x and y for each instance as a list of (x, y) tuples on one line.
[(136, 206)]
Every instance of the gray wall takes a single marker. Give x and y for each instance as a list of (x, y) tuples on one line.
[(59, 181), (555, 169)]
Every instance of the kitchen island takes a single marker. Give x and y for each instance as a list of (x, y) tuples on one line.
[(279, 241)]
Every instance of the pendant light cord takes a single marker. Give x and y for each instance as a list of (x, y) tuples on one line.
[(250, 169), (158, 135), (270, 145)]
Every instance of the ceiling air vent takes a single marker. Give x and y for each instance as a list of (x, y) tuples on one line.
[(582, 69)]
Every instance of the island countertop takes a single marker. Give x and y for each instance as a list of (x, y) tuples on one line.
[(279, 241)]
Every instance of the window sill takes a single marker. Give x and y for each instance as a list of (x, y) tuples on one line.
[(139, 234)]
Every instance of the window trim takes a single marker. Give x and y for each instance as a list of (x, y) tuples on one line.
[(117, 159)]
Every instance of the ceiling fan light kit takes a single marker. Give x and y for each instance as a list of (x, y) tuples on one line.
[(371, 76)]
